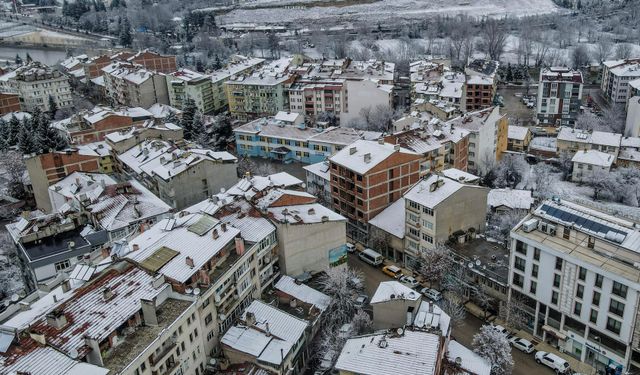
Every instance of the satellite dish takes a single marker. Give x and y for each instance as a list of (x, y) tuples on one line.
[(73, 354), (478, 262), (15, 297), (400, 331), (213, 362), (470, 265), (196, 291), (188, 290)]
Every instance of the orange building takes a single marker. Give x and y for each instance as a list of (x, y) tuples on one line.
[(9, 102), (366, 177)]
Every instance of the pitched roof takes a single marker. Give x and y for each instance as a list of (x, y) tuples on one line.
[(391, 219), (512, 198), (362, 156), (518, 132), (302, 292), (433, 190), (593, 157), (391, 290)]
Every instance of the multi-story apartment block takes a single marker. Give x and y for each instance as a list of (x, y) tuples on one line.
[(186, 84), (93, 125), (74, 328), (441, 145), (616, 76), (313, 96), (276, 139), (570, 141), (35, 84), (240, 65), (481, 84), (433, 80), (9, 102), (368, 176), (263, 93), (134, 86), (150, 60), (488, 138), (179, 177), (318, 181), (576, 271), (559, 96)]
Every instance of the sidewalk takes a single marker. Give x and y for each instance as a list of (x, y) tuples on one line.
[(575, 364)]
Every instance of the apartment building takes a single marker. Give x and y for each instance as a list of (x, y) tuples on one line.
[(481, 84), (239, 66), (186, 84), (629, 155), (93, 125), (280, 140), (312, 96), (576, 270), (588, 163), (632, 123), (51, 244), (150, 60), (441, 145), (263, 93), (488, 138), (570, 141), (9, 102), (616, 76), (74, 328), (318, 181), (124, 140), (518, 138), (435, 81), (368, 176), (180, 177), (46, 169), (35, 83), (559, 96), (134, 85)]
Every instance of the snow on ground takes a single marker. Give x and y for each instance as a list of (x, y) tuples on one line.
[(392, 9)]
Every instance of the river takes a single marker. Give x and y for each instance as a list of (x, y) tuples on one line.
[(47, 56)]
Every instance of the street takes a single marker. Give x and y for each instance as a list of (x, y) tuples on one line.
[(524, 363)]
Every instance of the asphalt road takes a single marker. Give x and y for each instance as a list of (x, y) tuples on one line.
[(524, 363)]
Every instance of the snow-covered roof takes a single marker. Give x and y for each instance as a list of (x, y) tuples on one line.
[(460, 176), (32, 358), (518, 132), (361, 156), (271, 74), (99, 148), (435, 189), (393, 290), (187, 75), (160, 111), (183, 236), (511, 198), (232, 69), (302, 292), (470, 361), (288, 117), (304, 214), (18, 115), (473, 121), (391, 219), (284, 179), (320, 169), (90, 184), (275, 333), (412, 353), (429, 315), (593, 157), (144, 152), (583, 136), (42, 305), (626, 70)]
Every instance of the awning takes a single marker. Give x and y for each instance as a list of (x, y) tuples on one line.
[(281, 150), (555, 332)]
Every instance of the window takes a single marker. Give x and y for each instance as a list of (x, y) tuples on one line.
[(582, 274), (518, 279), (558, 263), (208, 319), (593, 317), (613, 326), (592, 242), (534, 270), (577, 308), (580, 291), (427, 211), (556, 280), (521, 247), (619, 289), (61, 266), (533, 287), (599, 280), (536, 254), (554, 297), (427, 238), (520, 264), (205, 303), (596, 299), (413, 204), (616, 307)]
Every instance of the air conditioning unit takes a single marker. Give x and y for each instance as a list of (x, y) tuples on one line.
[(266, 260), (530, 225)]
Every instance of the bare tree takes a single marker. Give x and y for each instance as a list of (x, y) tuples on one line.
[(494, 347), (513, 313), (603, 49), (601, 182), (494, 38), (455, 309), (435, 264), (623, 51), (343, 285), (499, 225), (15, 168), (580, 56)]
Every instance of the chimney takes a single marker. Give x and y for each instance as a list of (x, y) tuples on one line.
[(66, 286), (38, 337), (136, 247), (56, 319), (107, 294), (381, 140), (250, 318), (267, 329), (105, 252), (149, 312), (239, 245), (396, 148), (215, 234), (352, 150), (367, 157), (223, 226), (189, 261), (311, 211)]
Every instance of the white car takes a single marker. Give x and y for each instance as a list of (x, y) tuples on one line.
[(557, 364), (432, 294), (501, 329), (409, 281), (521, 344), (361, 301), (351, 248)]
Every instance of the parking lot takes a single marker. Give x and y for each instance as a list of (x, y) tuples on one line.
[(524, 363), (516, 110)]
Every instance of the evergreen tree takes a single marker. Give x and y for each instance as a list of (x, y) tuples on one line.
[(125, 33), (222, 133), (216, 63), (26, 144), (18, 59), (199, 66), (198, 131), (29, 59), (509, 76), (13, 131), (188, 115), (53, 106), (171, 118), (4, 136)]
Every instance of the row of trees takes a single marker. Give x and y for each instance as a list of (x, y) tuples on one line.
[(31, 135)]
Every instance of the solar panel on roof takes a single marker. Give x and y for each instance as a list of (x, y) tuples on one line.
[(580, 221), (158, 259), (203, 225), (82, 272)]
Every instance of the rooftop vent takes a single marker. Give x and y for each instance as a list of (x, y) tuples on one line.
[(352, 150), (56, 319), (367, 157), (107, 294), (189, 262)]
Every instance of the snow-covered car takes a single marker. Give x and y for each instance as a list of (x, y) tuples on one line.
[(361, 301), (522, 344), (432, 294), (351, 248), (409, 281), (557, 364), (499, 328)]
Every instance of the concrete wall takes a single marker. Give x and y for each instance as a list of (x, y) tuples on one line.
[(632, 128), (363, 94), (463, 210), (392, 314)]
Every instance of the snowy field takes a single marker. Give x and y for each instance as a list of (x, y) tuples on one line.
[(385, 10)]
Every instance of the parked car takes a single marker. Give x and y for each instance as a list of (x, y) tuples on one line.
[(522, 344), (374, 258), (361, 301), (409, 281), (351, 248), (499, 328), (392, 271), (557, 364), (432, 294)]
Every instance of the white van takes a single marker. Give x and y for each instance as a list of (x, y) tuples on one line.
[(371, 257), (557, 364)]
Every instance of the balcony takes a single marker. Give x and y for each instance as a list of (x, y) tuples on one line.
[(167, 348)]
